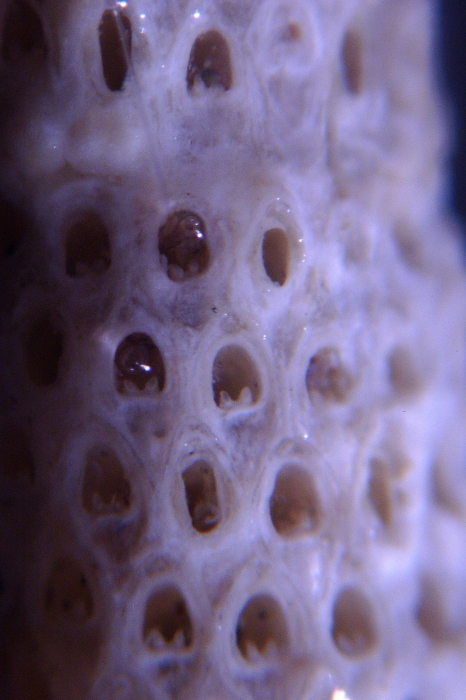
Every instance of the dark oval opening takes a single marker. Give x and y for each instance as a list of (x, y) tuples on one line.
[(115, 47), (209, 62), (167, 623), (16, 460), (87, 246), (13, 226), (261, 628), (106, 491), (403, 373), (201, 496), (68, 595), (275, 255), (326, 375), (139, 365), (380, 491), (183, 245), (294, 504), (30, 684), (353, 628), (352, 62), (44, 348), (235, 377), (23, 34), (430, 613)]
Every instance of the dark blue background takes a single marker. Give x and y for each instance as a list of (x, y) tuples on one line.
[(452, 65)]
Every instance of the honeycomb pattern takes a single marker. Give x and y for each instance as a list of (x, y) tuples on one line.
[(231, 355)]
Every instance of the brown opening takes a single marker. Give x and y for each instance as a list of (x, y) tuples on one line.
[(327, 376), (183, 245), (430, 613), (167, 622), (115, 47), (261, 628), (27, 680), (209, 62), (380, 491), (235, 377), (16, 460), (139, 365), (403, 373), (13, 226), (201, 496), (352, 62), (23, 34), (275, 254), (292, 32), (87, 247), (294, 504), (44, 348), (353, 628), (106, 491), (68, 595)]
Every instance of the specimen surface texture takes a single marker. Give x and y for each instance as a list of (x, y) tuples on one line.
[(232, 354)]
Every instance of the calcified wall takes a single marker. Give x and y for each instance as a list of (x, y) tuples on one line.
[(232, 355)]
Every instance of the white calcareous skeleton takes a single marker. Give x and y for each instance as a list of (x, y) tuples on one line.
[(232, 354)]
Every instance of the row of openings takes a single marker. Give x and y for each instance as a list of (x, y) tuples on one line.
[(261, 627), (327, 376), (140, 368), (167, 622), (209, 61), (107, 491), (182, 244), (294, 505), (23, 36)]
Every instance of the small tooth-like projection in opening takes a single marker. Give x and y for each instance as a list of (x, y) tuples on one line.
[(201, 496), (235, 379), (13, 226), (294, 504), (402, 372), (261, 629), (115, 47), (106, 491), (275, 254), (23, 34), (209, 61), (353, 629), (44, 348), (139, 366), (87, 247), (16, 460), (167, 624), (352, 62), (68, 597), (327, 376), (430, 614), (380, 491), (183, 245)]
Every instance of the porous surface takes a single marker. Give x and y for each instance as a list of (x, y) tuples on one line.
[(232, 355)]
